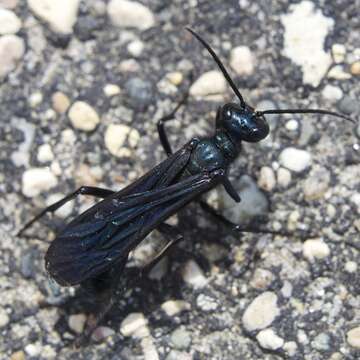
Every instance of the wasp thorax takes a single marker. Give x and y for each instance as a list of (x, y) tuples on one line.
[(243, 123)]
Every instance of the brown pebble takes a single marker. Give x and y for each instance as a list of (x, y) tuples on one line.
[(18, 355), (60, 102), (355, 68)]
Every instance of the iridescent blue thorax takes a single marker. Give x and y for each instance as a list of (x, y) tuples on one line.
[(212, 153)]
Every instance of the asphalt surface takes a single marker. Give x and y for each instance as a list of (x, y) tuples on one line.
[(244, 296)]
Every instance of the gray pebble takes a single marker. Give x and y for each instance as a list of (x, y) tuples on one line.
[(322, 342), (27, 264), (140, 92), (178, 355), (180, 338), (4, 318), (348, 105), (308, 131), (253, 201), (262, 279), (206, 303), (358, 129), (102, 332), (316, 184), (332, 93)]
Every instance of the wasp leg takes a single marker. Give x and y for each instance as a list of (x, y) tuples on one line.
[(161, 125), (240, 228), (103, 287), (83, 190), (173, 236)]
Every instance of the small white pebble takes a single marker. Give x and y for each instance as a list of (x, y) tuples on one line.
[(12, 50), (315, 249), (33, 349), (193, 275), (174, 307), (338, 52), (209, 83), (111, 90), (77, 322), (206, 303), (287, 289), (37, 180), (4, 318), (242, 60), (132, 323), (268, 339), (124, 13), (337, 72), (56, 168), (267, 180), (283, 177), (351, 267), (9, 22), (261, 312), (353, 337), (262, 278), (68, 136), (292, 125), (355, 199), (129, 65), (60, 15), (45, 153), (175, 77), (295, 159), (35, 99), (290, 347), (83, 116), (135, 48), (332, 93), (116, 136)]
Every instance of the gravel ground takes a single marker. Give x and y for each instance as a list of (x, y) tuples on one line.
[(81, 87)]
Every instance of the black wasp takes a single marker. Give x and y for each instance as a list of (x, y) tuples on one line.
[(92, 249)]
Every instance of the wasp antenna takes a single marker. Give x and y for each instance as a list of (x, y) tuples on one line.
[(220, 64), (306, 111)]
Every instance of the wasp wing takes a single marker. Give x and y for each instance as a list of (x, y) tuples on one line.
[(104, 234), (88, 249)]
